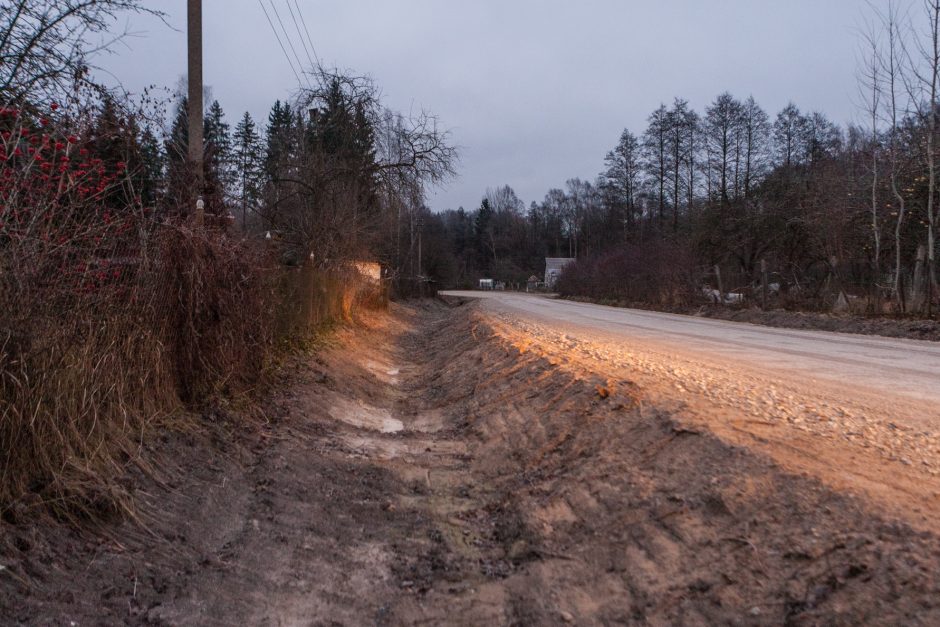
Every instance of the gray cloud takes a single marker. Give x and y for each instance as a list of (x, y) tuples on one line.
[(536, 92)]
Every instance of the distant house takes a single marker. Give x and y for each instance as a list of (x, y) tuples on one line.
[(533, 284), (487, 284), (553, 268)]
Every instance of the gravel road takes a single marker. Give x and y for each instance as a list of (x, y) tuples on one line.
[(861, 413), (891, 367)]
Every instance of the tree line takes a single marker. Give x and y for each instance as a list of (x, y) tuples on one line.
[(833, 210)]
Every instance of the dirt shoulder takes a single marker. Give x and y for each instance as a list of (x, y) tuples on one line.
[(429, 468), (910, 328)]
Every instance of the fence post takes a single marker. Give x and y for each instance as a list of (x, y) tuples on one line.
[(721, 286)]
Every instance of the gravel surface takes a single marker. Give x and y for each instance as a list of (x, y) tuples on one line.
[(860, 412)]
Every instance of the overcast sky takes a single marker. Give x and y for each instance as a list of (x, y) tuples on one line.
[(534, 91)]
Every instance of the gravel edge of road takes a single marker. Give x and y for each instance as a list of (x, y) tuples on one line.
[(907, 328)]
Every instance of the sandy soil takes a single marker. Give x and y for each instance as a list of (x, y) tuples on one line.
[(437, 466)]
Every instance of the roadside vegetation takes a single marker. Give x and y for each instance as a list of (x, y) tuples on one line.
[(120, 314)]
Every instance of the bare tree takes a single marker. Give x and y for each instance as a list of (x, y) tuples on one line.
[(923, 83), (623, 176), (353, 159), (870, 85), (656, 159), (788, 135), (722, 125), (893, 61), (755, 132), (46, 46), (680, 139)]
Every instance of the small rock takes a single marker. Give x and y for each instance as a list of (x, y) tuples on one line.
[(568, 617)]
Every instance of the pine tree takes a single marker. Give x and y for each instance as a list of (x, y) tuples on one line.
[(278, 141), (249, 164), (219, 173), (176, 147), (152, 168)]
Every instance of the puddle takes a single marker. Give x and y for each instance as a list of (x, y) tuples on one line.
[(365, 416)]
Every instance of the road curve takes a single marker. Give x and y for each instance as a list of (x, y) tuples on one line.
[(885, 366)]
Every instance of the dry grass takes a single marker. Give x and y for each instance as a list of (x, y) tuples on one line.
[(87, 375)]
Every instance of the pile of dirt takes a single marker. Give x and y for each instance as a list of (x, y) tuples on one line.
[(426, 469)]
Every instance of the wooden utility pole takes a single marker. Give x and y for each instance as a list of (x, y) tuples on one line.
[(194, 32)]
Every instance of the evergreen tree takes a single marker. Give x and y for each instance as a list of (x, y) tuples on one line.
[(217, 160), (113, 139), (278, 138), (483, 234), (152, 168), (176, 148), (249, 164), (217, 150)]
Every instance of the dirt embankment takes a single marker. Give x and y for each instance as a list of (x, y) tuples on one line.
[(428, 470)]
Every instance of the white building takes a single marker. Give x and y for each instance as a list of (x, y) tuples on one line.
[(553, 268)]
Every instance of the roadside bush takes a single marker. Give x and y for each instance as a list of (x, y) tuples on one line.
[(655, 273)]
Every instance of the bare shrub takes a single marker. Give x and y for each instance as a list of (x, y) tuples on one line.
[(652, 273), (219, 304)]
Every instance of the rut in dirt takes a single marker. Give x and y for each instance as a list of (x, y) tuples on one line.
[(428, 471)]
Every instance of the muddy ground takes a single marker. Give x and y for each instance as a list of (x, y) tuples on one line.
[(426, 469)]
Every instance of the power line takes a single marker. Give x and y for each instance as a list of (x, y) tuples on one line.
[(306, 30), (300, 34), (290, 43), (280, 43)]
